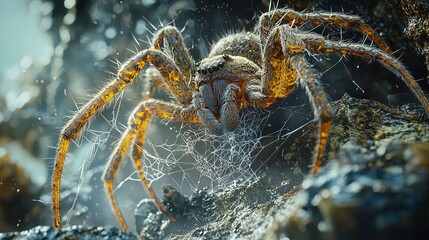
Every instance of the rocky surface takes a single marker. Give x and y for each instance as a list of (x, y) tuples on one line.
[(365, 194), (417, 24), (70, 233), (374, 187)]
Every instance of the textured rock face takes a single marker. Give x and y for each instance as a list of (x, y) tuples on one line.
[(72, 232), (375, 186), (380, 193), (417, 29)]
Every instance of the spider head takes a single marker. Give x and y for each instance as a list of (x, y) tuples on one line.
[(225, 67)]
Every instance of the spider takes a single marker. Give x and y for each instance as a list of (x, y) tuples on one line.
[(242, 70)]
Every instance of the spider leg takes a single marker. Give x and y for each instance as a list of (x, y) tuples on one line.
[(135, 134), (178, 87), (279, 77), (317, 44), (278, 17), (284, 67), (293, 44), (309, 79), (253, 92), (169, 40)]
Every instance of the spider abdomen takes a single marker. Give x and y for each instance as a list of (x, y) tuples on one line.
[(244, 44)]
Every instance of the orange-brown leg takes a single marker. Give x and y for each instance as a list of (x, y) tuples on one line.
[(284, 68), (169, 40), (177, 85), (309, 78), (316, 44), (70, 132), (135, 134), (294, 44), (288, 16)]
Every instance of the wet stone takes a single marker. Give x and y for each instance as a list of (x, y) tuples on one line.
[(70, 232), (374, 185), (148, 219), (364, 195)]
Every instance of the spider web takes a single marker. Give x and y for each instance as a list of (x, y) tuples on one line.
[(194, 158), (186, 156)]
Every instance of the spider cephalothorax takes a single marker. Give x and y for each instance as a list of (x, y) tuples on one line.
[(242, 70), (222, 85)]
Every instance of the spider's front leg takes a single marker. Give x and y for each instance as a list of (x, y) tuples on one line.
[(268, 21), (169, 40), (166, 67), (317, 44), (135, 135)]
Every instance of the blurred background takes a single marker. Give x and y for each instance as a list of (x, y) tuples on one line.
[(56, 54)]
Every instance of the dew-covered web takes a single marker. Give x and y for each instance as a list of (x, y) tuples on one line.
[(195, 158)]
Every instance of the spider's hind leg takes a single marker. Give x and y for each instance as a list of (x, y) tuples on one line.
[(316, 44), (285, 66), (309, 79)]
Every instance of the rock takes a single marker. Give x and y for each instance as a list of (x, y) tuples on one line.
[(374, 187), (366, 194), (72, 232), (417, 24), (241, 211)]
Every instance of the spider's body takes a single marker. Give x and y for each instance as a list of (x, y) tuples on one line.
[(220, 81), (242, 70)]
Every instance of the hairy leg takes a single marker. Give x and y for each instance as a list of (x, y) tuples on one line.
[(135, 134), (309, 79), (253, 93), (293, 44), (279, 78), (169, 40), (284, 69), (126, 74), (270, 20), (317, 44)]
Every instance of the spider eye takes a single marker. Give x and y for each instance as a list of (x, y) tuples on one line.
[(221, 64), (204, 71), (225, 56), (211, 69), (215, 68)]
